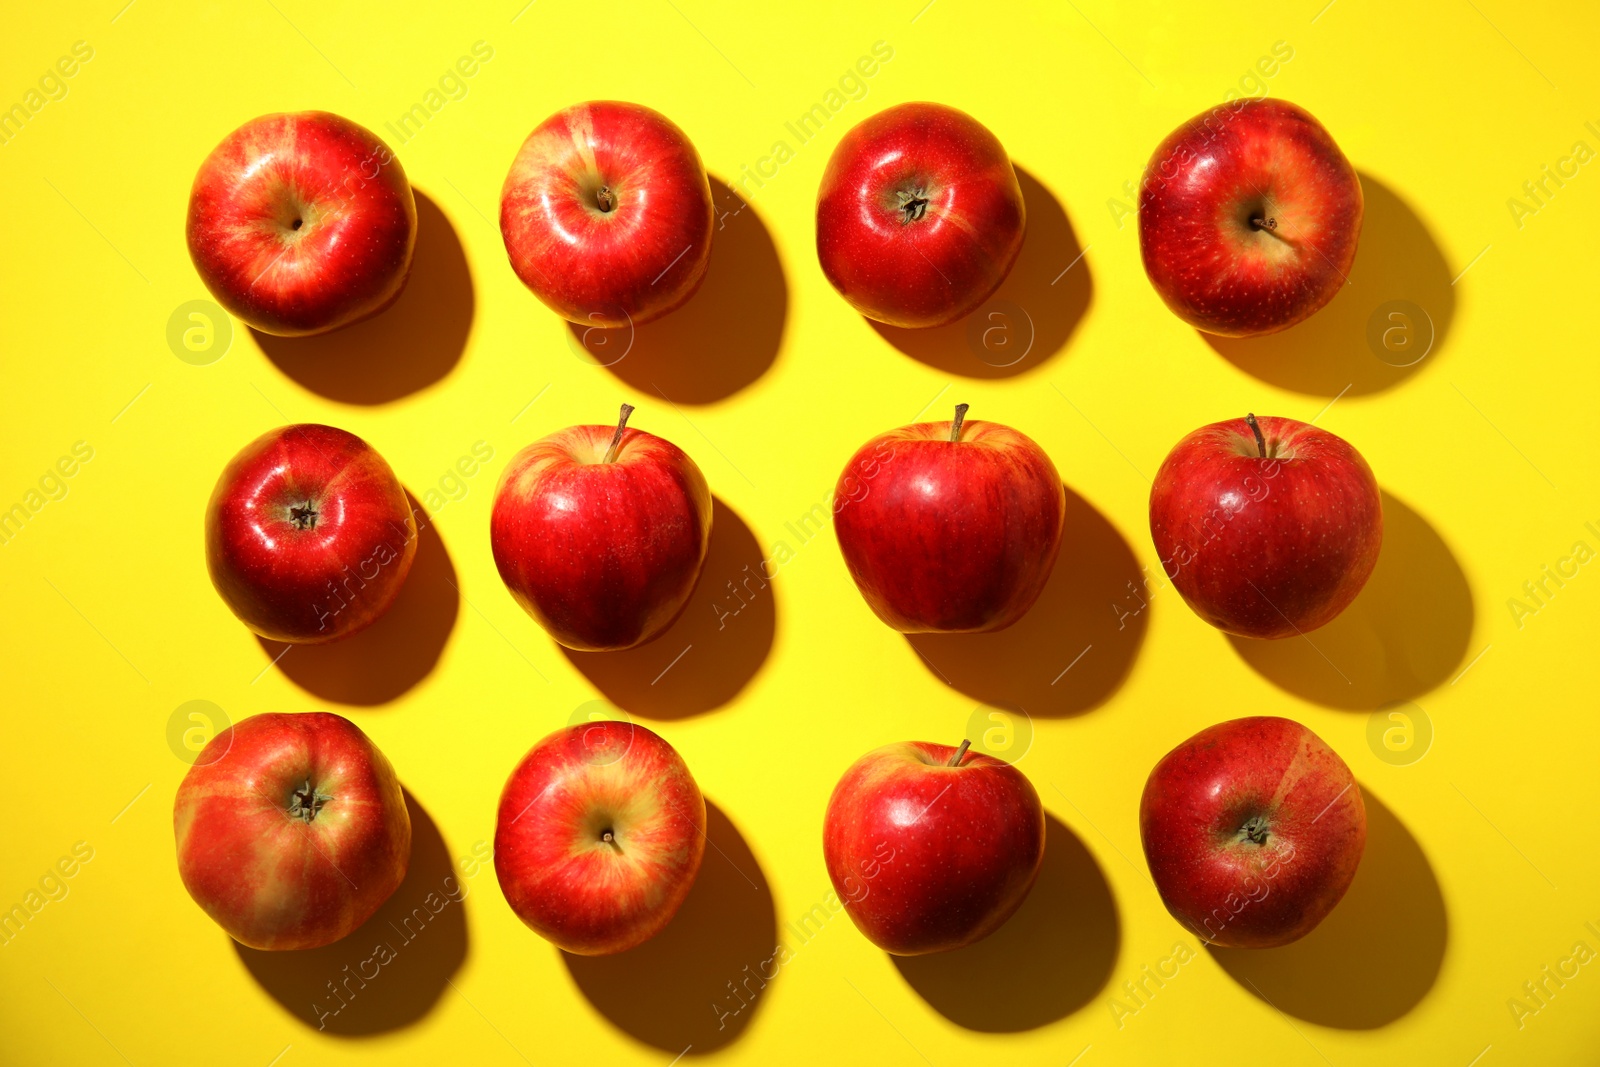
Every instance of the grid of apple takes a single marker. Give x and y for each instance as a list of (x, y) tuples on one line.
[(292, 829)]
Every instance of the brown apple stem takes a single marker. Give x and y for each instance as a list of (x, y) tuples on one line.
[(616, 438), (605, 199), (955, 427), (955, 761), (1261, 441), (1270, 225)]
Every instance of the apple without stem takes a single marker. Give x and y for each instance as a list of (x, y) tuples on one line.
[(309, 535), (932, 847), (1253, 830), (600, 533), (919, 217), (292, 830), (599, 837), (302, 223), (1267, 527), (950, 527), (607, 214), (1248, 218)]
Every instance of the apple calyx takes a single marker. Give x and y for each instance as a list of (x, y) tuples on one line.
[(955, 761), (304, 516), (911, 204), (616, 438), (305, 802), (955, 426), (1254, 830)]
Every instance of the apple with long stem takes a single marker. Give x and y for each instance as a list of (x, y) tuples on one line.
[(932, 847), (1249, 216), (309, 535), (1267, 527), (1253, 830), (302, 223), (600, 533), (920, 216), (950, 527), (606, 214), (599, 837), (291, 829)]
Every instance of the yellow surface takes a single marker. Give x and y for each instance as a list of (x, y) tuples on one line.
[(1483, 868)]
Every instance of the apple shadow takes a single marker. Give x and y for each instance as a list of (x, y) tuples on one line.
[(424, 928), (1375, 956), (1029, 318), (380, 663), (1337, 348), (714, 647), (724, 337), (673, 991), (1077, 643), (409, 345), (1049, 960), (1404, 634)]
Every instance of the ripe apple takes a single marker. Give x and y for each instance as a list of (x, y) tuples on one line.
[(950, 527), (919, 217), (302, 223), (601, 533), (1248, 218), (606, 214), (1253, 830), (309, 535), (932, 847), (292, 830), (1267, 527), (599, 836)]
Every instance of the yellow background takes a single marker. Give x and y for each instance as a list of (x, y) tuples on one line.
[(1482, 868)]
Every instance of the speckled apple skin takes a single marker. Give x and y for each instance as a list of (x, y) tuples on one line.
[(950, 537), (302, 223), (1266, 547), (587, 895), (610, 269), (1231, 890), (1263, 158), (927, 857), (943, 265), (604, 555)]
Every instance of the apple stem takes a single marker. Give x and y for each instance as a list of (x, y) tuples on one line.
[(1270, 225), (955, 761), (955, 427), (1261, 441), (616, 438), (605, 199)]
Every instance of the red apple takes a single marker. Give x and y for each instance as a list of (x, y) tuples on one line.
[(1248, 218), (309, 535), (302, 223), (599, 837), (606, 214), (950, 527), (600, 533), (1267, 527), (919, 217), (292, 830), (932, 847), (1253, 830)]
